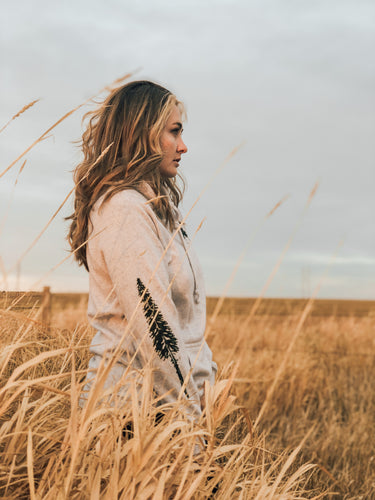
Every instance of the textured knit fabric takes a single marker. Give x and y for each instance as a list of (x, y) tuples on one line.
[(151, 289)]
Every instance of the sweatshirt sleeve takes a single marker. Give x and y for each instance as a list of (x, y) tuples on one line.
[(137, 264)]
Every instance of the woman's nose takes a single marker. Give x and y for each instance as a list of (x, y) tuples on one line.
[(181, 147)]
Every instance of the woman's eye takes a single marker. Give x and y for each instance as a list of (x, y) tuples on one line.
[(177, 130)]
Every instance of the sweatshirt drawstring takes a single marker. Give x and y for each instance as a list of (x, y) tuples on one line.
[(182, 233)]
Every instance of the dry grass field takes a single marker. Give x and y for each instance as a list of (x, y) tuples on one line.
[(291, 416)]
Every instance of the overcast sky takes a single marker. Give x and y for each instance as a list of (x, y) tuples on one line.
[(293, 80)]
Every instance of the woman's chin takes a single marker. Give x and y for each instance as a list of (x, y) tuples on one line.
[(169, 173)]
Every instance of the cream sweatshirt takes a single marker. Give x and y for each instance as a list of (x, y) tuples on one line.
[(142, 283)]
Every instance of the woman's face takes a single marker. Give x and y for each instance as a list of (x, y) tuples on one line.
[(172, 144)]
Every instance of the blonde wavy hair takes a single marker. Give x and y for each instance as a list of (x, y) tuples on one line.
[(121, 148)]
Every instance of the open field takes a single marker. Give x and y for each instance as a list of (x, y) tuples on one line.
[(237, 306), (305, 382)]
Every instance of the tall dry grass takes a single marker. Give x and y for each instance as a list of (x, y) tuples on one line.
[(321, 412), (326, 388), (51, 448)]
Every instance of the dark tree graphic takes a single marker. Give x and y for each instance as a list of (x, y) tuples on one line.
[(184, 233), (165, 343)]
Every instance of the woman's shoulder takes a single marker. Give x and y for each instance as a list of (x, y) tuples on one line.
[(126, 198), (126, 206)]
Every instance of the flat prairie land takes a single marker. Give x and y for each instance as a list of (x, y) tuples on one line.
[(282, 307), (291, 416), (232, 305)]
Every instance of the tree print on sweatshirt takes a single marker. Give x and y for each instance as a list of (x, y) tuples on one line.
[(165, 342)]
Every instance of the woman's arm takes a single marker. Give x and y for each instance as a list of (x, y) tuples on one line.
[(137, 265)]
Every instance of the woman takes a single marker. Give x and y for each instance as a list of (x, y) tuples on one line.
[(146, 290)]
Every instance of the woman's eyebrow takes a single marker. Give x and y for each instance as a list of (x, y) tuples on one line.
[(179, 124)]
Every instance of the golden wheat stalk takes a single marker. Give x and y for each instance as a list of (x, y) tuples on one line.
[(274, 271), (69, 113), (37, 238), (11, 198), (297, 332), (25, 108), (56, 266), (233, 274)]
